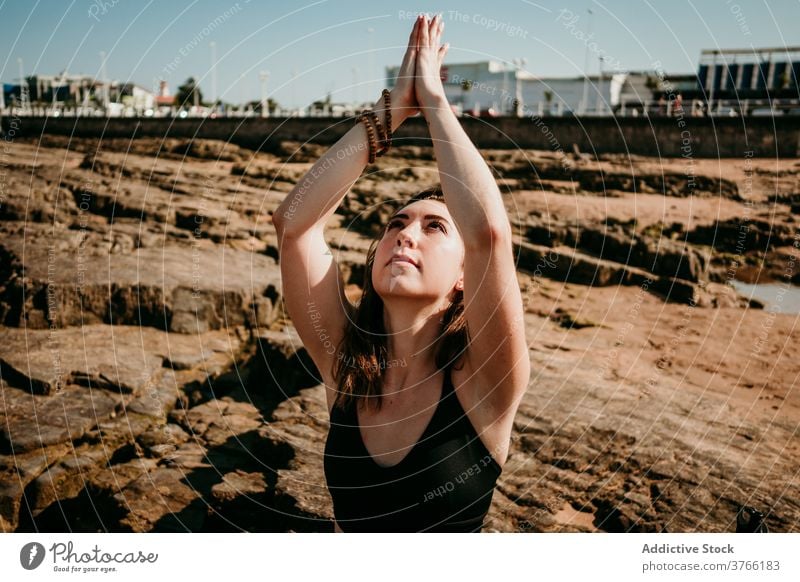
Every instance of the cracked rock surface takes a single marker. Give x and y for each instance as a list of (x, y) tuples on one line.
[(151, 381)]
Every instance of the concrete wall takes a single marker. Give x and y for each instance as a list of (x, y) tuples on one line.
[(697, 137)]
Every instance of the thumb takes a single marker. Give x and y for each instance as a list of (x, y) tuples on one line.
[(409, 62), (443, 52)]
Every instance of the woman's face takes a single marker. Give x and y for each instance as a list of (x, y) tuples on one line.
[(425, 232)]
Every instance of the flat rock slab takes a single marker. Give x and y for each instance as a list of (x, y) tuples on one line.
[(93, 428), (45, 362), (66, 479), (189, 288), (237, 483), (120, 359), (593, 453), (214, 471), (241, 501), (30, 421), (161, 499), (16, 472)]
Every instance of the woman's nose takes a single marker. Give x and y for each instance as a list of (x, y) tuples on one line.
[(405, 237)]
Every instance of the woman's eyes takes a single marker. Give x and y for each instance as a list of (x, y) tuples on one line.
[(438, 224)]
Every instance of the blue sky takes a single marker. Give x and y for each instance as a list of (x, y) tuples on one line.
[(311, 47)]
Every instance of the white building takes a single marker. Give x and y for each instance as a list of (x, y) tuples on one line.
[(59, 88), (134, 96), (492, 87), (65, 90)]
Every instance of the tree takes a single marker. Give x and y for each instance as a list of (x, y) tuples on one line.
[(321, 104), (548, 97), (255, 105), (189, 94)]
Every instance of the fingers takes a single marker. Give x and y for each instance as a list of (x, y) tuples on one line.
[(431, 32), (408, 64), (413, 39), (424, 33), (437, 25)]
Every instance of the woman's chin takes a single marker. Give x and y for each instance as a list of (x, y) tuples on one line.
[(399, 287)]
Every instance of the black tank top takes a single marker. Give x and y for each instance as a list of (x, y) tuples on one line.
[(444, 484)]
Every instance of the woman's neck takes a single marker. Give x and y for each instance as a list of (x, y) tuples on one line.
[(412, 333)]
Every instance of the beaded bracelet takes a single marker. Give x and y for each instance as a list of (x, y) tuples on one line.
[(374, 125), (381, 132), (387, 107), (373, 143)]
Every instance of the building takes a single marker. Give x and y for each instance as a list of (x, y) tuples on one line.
[(493, 88), (64, 91), (727, 82), (750, 77), (61, 88), (133, 96), (11, 93), (655, 93), (164, 98)]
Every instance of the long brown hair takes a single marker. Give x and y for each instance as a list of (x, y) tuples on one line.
[(363, 352)]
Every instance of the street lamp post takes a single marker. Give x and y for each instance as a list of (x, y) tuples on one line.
[(600, 87), (213, 46), (263, 76), (242, 97), (585, 99), (355, 88), (54, 91), (714, 81), (505, 89), (294, 92), (104, 80), (23, 85), (518, 64), (371, 64)]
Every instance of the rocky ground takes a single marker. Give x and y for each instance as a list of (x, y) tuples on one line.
[(150, 380)]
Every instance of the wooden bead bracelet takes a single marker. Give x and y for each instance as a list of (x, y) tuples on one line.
[(373, 144), (387, 107), (373, 124)]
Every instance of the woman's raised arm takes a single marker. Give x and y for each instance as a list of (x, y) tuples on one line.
[(498, 351), (313, 289), (474, 201), (316, 196)]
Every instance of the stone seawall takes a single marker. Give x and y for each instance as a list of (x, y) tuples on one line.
[(666, 137)]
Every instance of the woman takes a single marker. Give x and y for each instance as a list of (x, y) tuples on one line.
[(423, 378)]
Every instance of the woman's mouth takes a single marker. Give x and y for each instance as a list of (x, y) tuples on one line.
[(403, 260)]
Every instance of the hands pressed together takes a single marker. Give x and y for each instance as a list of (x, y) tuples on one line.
[(419, 84)]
